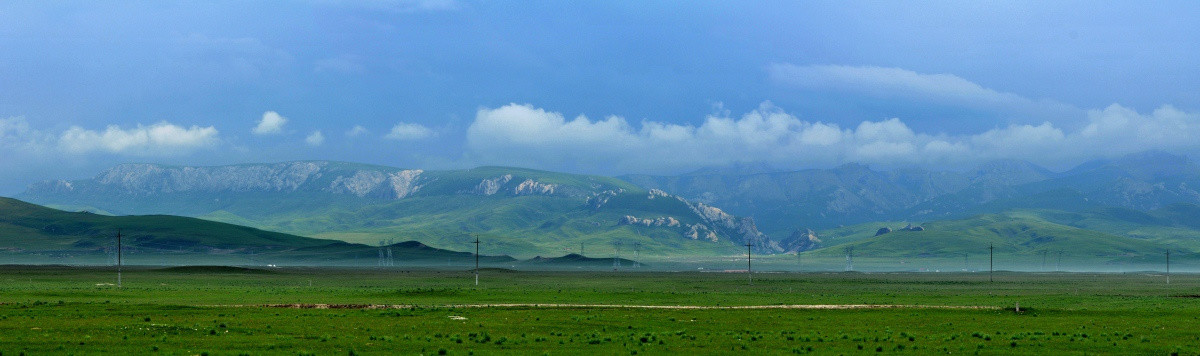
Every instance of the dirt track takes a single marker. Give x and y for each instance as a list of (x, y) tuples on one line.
[(614, 306)]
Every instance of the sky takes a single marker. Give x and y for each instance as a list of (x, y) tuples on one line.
[(595, 87)]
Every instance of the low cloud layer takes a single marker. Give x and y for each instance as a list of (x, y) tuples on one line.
[(529, 136), (405, 131), (159, 139)]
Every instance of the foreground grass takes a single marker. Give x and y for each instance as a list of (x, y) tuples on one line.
[(63, 310)]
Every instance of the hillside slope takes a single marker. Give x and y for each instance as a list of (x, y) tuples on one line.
[(34, 234), (516, 211)]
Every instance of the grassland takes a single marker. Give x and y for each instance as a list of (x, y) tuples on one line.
[(228, 311)]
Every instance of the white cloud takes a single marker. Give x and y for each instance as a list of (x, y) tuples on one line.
[(356, 131), (14, 130), (527, 136), (887, 82), (898, 83), (315, 138), (409, 131), (159, 139), (271, 123)]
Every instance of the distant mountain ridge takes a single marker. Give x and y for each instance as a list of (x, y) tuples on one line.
[(784, 203), (535, 212), (527, 211)]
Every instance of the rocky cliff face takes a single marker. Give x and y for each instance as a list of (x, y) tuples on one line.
[(801, 241), (714, 223)]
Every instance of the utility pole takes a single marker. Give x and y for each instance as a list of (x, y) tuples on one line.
[(991, 260), (966, 264), (118, 258), (1168, 266), (749, 271), (476, 260), (581, 249)]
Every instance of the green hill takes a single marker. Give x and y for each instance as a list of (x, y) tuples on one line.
[(34, 234), (1098, 239)]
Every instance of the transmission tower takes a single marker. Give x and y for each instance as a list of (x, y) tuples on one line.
[(382, 257), (1058, 264), (637, 255), (390, 262), (617, 258), (1044, 253), (849, 258)]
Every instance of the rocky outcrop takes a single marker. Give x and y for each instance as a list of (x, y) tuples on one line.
[(660, 221), (801, 241), (532, 187), (395, 185), (883, 230), (492, 186), (404, 183), (700, 232), (597, 200)]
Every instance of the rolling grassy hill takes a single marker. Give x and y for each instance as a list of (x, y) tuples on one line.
[(34, 234), (1097, 237)]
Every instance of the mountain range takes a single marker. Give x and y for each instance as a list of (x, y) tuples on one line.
[(783, 203), (714, 211), (513, 211)]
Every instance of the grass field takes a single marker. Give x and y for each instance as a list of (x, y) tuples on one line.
[(216, 311)]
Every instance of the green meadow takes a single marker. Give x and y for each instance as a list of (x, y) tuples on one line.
[(231, 311)]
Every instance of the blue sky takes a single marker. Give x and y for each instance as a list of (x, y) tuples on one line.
[(591, 87)]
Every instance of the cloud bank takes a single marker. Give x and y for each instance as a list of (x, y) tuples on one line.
[(529, 136), (159, 139)]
